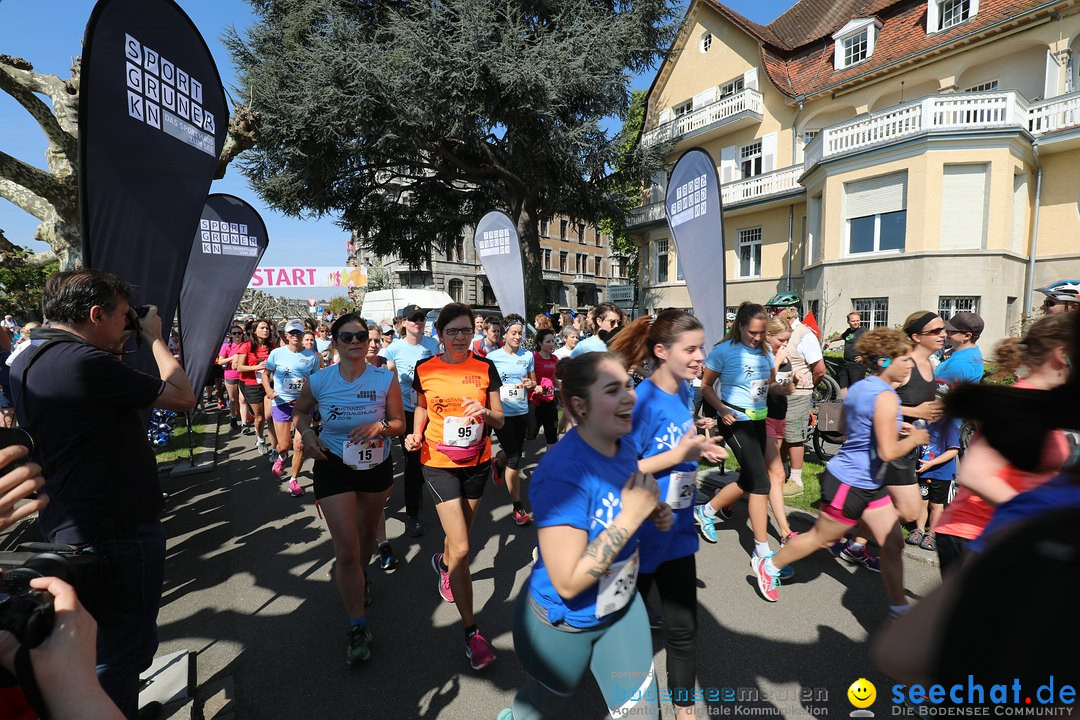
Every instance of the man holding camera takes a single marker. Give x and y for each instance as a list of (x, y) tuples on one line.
[(81, 405)]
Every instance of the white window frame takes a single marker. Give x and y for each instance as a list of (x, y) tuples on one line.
[(879, 206), (935, 14), (461, 289), (873, 311), (988, 86), (732, 88), (682, 109), (949, 305), (547, 258), (545, 228), (661, 250), (748, 154), (706, 42), (950, 13), (845, 38), (877, 236), (750, 240)]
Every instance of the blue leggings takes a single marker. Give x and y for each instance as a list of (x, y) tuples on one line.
[(619, 655)]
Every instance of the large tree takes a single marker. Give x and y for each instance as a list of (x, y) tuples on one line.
[(51, 195), (408, 120)]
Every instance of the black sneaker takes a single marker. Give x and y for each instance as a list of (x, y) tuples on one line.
[(234, 423), (387, 560), (359, 647)]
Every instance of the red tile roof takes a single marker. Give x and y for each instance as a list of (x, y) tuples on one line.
[(797, 47)]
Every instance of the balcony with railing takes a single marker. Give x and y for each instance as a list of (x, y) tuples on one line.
[(743, 108), (584, 279), (552, 275)]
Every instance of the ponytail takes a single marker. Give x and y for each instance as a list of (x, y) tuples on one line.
[(636, 343)]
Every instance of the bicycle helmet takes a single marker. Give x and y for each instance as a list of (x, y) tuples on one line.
[(1062, 291), (784, 299), (730, 317)]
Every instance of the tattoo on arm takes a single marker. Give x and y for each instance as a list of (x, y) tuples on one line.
[(605, 549)]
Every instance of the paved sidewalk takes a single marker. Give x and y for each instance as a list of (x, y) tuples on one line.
[(248, 588)]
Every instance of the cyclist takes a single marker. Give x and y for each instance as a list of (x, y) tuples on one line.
[(457, 400), (517, 371), (851, 486), (1062, 296), (669, 448), (581, 610)]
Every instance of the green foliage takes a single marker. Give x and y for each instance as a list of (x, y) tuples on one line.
[(410, 120), (338, 305), (21, 285), (632, 164)]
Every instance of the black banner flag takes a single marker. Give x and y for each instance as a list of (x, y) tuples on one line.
[(228, 246), (152, 122)]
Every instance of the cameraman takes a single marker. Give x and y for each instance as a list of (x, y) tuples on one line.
[(81, 405)]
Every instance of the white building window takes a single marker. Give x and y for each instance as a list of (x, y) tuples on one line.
[(731, 88), (706, 41), (547, 258), (750, 252), (873, 311), (983, 87), (944, 14), (680, 110), (875, 211), (949, 306), (545, 228), (750, 159), (661, 259), (854, 42)]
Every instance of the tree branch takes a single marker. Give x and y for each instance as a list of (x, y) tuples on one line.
[(9, 249), (19, 196), (21, 84), (243, 134), (36, 181)]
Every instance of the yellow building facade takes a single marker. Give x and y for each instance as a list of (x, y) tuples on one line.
[(922, 155)]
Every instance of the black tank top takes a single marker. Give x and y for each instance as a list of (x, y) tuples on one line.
[(777, 404), (916, 390)]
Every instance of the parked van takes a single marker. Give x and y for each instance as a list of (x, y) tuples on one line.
[(382, 305)]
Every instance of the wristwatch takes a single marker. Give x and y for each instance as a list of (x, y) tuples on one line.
[(385, 426)]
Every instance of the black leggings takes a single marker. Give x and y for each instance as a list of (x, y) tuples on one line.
[(951, 551), (414, 475), (676, 580), (746, 438), (512, 438), (547, 416)]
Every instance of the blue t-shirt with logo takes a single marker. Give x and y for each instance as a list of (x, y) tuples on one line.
[(944, 436), (291, 370), (593, 343), (744, 378), (513, 369), (963, 366), (577, 486), (405, 355), (345, 405), (857, 464), (660, 422)]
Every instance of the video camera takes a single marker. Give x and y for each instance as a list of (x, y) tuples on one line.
[(25, 612), (15, 436), (135, 314)]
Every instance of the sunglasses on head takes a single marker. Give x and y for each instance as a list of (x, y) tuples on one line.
[(347, 337)]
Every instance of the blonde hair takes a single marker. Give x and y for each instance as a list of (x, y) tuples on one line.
[(1043, 337), (777, 325)]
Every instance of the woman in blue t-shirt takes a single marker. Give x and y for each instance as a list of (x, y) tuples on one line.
[(669, 447), (517, 371), (580, 610), (354, 473), (739, 376), (852, 486)]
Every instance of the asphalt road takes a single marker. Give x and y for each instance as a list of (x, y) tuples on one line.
[(248, 587)]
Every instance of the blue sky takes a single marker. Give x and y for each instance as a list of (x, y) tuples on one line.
[(49, 33)]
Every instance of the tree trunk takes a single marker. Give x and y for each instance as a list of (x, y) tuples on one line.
[(529, 235)]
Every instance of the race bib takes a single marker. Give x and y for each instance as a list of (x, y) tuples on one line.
[(295, 384), (462, 431), (759, 391), (680, 490), (783, 376), (363, 455), (617, 586), (258, 376), (511, 393)]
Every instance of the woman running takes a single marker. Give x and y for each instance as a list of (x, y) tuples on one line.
[(310, 343), (287, 371), (669, 448), (353, 472), (852, 486), (744, 369), (777, 333), (457, 399), (544, 407), (251, 368), (229, 359), (516, 368), (581, 610), (986, 479)]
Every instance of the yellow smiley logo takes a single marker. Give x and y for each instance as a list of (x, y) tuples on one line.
[(862, 693)]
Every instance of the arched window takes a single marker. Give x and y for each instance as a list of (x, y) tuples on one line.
[(456, 289)]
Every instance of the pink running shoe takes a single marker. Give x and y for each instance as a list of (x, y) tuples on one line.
[(444, 578), (279, 466), (767, 584), (478, 650), (294, 488)]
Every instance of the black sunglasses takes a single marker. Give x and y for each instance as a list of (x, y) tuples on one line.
[(237, 334), (347, 337)]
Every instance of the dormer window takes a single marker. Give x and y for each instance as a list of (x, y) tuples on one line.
[(855, 42), (945, 14)]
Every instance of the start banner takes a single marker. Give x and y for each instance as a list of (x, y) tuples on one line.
[(300, 276)]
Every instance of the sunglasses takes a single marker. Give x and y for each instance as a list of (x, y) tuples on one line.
[(237, 334), (295, 332), (456, 332), (347, 337), (939, 331)]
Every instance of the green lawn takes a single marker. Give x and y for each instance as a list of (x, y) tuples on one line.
[(177, 448), (811, 496)]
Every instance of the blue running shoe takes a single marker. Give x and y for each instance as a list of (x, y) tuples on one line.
[(705, 525)]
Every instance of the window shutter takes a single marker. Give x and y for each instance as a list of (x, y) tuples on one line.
[(884, 194), (706, 98), (963, 207), (768, 152), (666, 116), (728, 170), (1050, 84), (750, 79), (933, 16)]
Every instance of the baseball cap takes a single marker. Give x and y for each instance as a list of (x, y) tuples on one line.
[(387, 329), (413, 312), (294, 326), (966, 322)]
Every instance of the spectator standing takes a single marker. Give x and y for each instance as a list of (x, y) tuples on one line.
[(854, 370), (101, 476), (808, 367), (965, 363)]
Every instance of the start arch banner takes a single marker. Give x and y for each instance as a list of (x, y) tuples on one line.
[(305, 276)]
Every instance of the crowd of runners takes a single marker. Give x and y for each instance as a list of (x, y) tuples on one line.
[(631, 413)]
